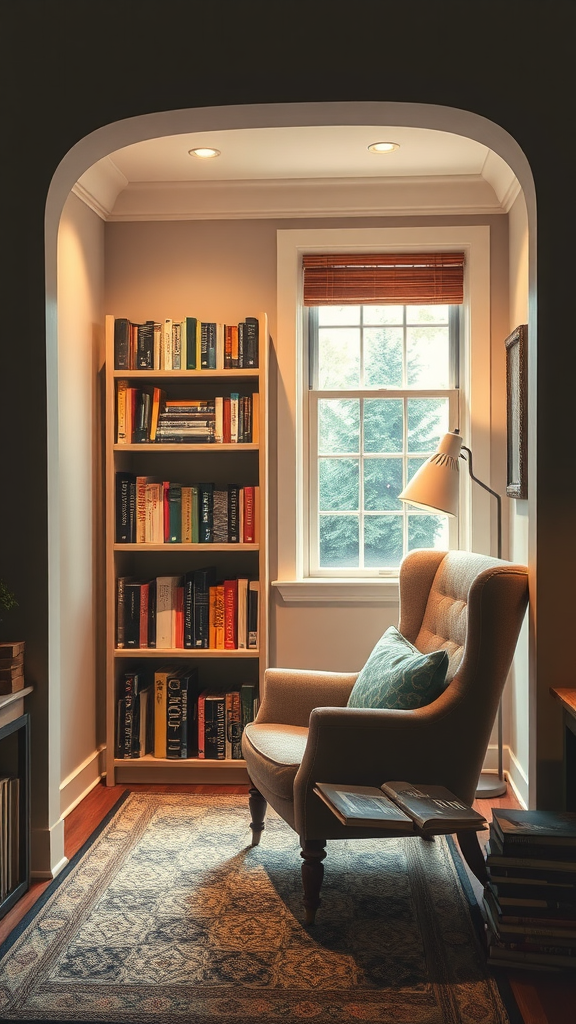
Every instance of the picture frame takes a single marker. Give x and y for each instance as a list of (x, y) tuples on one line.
[(516, 412)]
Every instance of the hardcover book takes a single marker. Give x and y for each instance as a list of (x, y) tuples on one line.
[(400, 805), (516, 828)]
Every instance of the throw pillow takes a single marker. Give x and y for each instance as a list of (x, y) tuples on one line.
[(398, 675)]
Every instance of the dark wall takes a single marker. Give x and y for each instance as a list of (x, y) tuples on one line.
[(71, 66)]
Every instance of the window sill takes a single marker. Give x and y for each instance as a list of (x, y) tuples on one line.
[(341, 590)]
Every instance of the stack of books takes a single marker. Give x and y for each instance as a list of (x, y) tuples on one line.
[(530, 897)]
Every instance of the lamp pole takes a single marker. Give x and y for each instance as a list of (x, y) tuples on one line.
[(488, 787)]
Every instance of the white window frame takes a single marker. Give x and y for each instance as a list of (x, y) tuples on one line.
[(294, 581)]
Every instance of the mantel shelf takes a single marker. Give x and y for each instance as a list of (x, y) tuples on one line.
[(184, 652)]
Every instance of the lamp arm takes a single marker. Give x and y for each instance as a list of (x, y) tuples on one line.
[(493, 493)]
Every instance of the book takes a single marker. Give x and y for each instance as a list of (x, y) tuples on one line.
[(158, 399), (427, 808), (230, 598), (177, 694), (205, 512), (215, 726), (233, 513), (253, 600), (242, 621), (517, 829), (122, 343), (540, 863), (191, 322), (166, 610), (175, 513), (365, 806), (250, 342), (160, 713), (220, 516), (200, 581), (233, 725), (216, 617), (125, 508), (248, 697), (145, 346), (434, 807), (249, 535)]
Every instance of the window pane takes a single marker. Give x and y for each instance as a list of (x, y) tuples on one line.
[(382, 541), (339, 542), (382, 484), (427, 532), (338, 357), (343, 316), (427, 357), (383, 424), (338, 481), (427, 423), (382, 314), (427, 314), (338, 425), (383, 357)]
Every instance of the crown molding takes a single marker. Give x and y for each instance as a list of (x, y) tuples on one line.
[(290, 198)]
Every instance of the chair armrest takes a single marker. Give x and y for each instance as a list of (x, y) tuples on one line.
[(290, 694), (369, 746)]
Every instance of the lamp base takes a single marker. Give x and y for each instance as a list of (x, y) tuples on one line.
[(489, 786)]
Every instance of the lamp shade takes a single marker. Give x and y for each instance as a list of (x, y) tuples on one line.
[(435, 485)]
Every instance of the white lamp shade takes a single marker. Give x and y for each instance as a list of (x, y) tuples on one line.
[(435, 485)]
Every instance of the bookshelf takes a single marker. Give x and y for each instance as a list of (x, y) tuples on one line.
[(222, 464)]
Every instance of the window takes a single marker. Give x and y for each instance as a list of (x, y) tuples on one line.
[(383, 389), (295, 578)]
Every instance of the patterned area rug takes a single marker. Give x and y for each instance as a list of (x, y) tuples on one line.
[(168, 916)]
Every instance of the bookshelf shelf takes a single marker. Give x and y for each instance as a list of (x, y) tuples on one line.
[(165, 653), (243, 465)]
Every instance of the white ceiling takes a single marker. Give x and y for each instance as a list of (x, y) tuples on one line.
[(303, 171)]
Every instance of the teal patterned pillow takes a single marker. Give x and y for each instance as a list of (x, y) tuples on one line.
[(397, 675)]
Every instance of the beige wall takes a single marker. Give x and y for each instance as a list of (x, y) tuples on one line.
[(76, 621)]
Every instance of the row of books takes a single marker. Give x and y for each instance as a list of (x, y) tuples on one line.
[(530, 897), (9, 834), (152, 511), (145, 415), (185, 344), (171, 715), (194, 611)]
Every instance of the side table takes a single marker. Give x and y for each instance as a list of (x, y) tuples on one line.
[(15, 762)]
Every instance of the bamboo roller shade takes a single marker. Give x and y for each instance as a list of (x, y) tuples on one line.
[(381, 279)]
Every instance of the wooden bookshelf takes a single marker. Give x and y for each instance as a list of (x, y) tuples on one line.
[(222, 463), (15, 761)]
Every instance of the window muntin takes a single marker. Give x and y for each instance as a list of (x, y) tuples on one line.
[(382, 392)]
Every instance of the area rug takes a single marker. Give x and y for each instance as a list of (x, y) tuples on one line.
[(168, 915)]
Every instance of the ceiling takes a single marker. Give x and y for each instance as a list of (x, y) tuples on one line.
[(299, 171)]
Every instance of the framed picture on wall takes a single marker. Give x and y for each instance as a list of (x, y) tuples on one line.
[(516, 412)]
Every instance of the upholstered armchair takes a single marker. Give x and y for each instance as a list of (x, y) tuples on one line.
[(470, 605)]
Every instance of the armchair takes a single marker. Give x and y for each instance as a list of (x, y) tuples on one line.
[(468, 604)]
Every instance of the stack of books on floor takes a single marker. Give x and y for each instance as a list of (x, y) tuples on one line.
[(530, 896)]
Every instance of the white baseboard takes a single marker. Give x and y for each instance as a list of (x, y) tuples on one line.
[(78, 784)]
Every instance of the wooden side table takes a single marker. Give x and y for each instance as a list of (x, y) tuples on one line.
[(567, 698)]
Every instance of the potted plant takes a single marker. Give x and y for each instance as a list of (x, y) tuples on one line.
[(11, 652)]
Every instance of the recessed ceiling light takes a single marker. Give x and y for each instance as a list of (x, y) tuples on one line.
[(383, 147), (204, 152)]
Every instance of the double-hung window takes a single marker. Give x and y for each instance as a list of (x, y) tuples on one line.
[(383, 345)]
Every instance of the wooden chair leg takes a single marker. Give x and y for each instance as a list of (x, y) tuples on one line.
[(473, 855), (257, 805), (313, 853)]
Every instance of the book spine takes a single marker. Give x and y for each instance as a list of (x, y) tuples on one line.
[(234, 407), (176, 345), (201, 717), (144, 614), (253, 602), (122, 344), (124, 508), (219, 516), (218, 419), (166, 353), (251, 342), (219, 617), (203, 580), (176, 718), (206, 497), (191, 322), (152, 613), (233, 514), (175, 514), (120, 612), (186, 517), (234, 726), (129, 732), (230, 615), (121, 412), (249, 515), (215, 727), (131, 614), (145, 346), (247, 698), (160, 699)]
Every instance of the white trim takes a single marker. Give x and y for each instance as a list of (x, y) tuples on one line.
[(474, 371), (81, 781), (341, 591), (41, 875)]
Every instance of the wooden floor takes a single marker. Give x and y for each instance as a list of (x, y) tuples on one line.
[(541, 997)]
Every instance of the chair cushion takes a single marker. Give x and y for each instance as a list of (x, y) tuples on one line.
[(398, 675), (273, 754)]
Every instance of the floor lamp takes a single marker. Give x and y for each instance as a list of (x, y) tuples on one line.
[(435, 486)]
